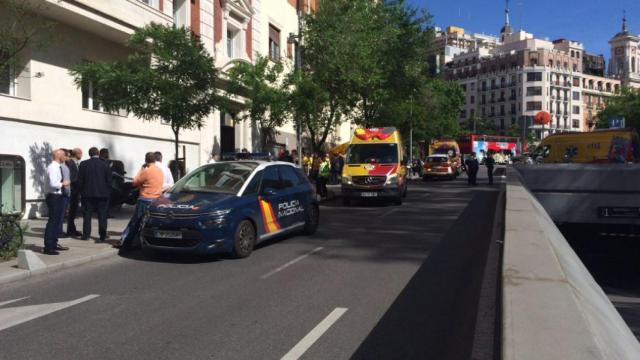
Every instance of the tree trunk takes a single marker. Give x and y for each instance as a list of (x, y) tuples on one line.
[(177, 170)]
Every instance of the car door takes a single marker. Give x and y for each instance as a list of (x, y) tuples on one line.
[(271, 195), (294, 206)]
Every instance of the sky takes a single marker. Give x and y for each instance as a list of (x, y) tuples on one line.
[(591, 22)]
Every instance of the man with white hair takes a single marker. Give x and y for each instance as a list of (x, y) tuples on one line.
[(54, 187)]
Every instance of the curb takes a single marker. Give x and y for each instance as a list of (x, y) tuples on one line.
[(25, 274)]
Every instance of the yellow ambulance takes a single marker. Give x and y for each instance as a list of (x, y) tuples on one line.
[(600, 146), (375, 166)]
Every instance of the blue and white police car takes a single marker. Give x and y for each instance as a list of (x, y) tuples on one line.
[(230, 207)]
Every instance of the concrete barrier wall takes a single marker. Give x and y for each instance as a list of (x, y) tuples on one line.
[(552, 307), (574, 192)]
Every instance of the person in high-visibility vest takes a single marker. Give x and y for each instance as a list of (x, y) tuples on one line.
[(323, 176)]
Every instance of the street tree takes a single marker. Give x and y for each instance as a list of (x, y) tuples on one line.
[(319, 110), (625, 104), (262, 85), (168, 75), (22, 27)]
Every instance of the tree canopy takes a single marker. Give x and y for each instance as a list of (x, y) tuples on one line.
[(22, 27), (168, 75), (266, 98), (626, 104)]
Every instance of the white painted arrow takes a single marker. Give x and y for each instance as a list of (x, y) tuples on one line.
[(13, 316)]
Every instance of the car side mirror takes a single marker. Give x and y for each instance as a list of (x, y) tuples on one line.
[(269, 191)]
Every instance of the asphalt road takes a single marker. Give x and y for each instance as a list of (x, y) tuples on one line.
[(383, 282)]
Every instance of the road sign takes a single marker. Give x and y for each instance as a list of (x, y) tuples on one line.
[(616, 123)]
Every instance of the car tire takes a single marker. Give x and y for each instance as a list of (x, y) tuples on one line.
[(311, 220), (244, 239), (406, 190), (398, 200)]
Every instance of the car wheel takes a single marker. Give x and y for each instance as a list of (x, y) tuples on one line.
[(312, 219), (244, 239), (398, 200), (406, 190)]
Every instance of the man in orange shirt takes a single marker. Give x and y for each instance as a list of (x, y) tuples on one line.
[(149, 180)]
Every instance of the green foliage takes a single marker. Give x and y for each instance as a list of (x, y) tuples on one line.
[(10, 237), (368, 62), (626, 104), (168, 75), (262, 86), (318, 109), (22, 27)]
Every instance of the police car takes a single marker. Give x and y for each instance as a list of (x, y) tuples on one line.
[(230, 207)]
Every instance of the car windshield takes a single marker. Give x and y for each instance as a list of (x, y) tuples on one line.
[(223, 177), (436, 159), (377, 153)]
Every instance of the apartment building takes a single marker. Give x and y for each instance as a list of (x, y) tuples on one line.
[(42, 109), (524, 75)]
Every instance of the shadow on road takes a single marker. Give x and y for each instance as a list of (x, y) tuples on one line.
[(434, 316)]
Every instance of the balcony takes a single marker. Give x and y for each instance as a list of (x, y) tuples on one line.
[(114, 20)]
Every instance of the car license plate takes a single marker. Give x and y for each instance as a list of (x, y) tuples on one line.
[(168, 234), (369, 194)]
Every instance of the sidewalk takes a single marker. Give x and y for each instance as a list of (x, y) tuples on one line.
[(80, 251)]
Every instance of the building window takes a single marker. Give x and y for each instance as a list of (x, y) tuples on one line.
[(576, 81), (576, 123), (463, 114), (473, 99), (501, 124), (274, 43), (576, 110), (534, 91), (576, 95), (472, 113), (534, 105), (153, 3), (472, 86), (88, 98), (230, 44), (8, 80), (534, 76)]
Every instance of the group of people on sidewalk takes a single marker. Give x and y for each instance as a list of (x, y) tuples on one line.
[(71, 182), (472, 166)]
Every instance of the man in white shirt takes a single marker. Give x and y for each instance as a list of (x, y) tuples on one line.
[(168, 177), (54, 186)]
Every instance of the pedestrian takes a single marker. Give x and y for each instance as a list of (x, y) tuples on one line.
[(214, 158), (324, 170), (53, 188), (472, 169), (149, 180), (340, 166), (333, 169), (66, 190), (294, 157), (94, 180), (167, 176), (490, 162), (74, 199)]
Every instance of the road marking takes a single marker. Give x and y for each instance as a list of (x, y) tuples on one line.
[(13, 316), (313, 336), (291, 263), (12, 301)]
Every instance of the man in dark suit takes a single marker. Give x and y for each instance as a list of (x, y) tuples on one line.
[(94, 179), (73, 163)]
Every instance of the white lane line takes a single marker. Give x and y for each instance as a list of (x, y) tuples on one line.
[(12, 301), (13, 316), (313, 336), (302, 257)]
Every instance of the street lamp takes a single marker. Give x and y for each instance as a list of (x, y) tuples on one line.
[(296, 40)]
